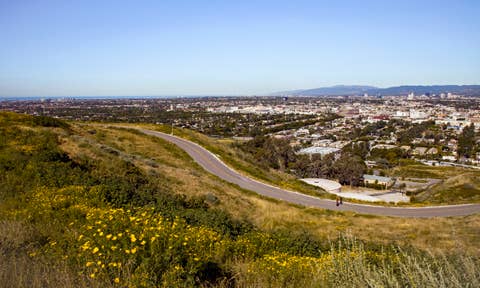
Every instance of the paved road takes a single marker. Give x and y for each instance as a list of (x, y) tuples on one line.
[(214, 165)]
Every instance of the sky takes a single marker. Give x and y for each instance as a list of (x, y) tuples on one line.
[(169, 48)]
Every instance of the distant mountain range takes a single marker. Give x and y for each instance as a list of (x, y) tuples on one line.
[(339, 90)]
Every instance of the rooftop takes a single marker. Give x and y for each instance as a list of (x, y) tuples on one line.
[(375, 177), (318, 150)]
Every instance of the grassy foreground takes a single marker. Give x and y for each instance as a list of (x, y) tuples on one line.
[(91, 206)]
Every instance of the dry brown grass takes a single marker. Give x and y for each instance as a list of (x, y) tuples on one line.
[(436, 234), (24, 271), (20, 267)]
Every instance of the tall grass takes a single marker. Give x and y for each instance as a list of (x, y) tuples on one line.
[(22, 266), (353, 265)]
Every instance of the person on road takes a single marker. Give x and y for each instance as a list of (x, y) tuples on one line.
[(341, 201), (338, 201)]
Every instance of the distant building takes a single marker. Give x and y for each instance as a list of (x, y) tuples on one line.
[(384, 146), (301, 131), (432, 151), (401, 114), (319, 151), (419, 115), (378, 180), (449, 158), (419, 151), (323, 142)]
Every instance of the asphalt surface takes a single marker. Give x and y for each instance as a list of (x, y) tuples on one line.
[(214, 165)]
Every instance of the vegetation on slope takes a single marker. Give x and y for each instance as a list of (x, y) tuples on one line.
[(260, 165), (80, 208), (458, 185), (244, 162)]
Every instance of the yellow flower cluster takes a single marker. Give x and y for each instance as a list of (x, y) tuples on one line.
[(282, 263), (113, 238)]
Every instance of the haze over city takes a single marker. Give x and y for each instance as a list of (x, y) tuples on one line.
[(98, 48)]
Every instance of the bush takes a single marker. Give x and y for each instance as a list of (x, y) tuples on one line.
[(46, 121)]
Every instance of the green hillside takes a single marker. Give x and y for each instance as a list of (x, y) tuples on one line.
[(448, 192), (90, 205), (457, 185)]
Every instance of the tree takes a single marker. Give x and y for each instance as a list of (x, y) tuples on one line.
[(271, 152), (359, 148), (349, 169), (466, 142)]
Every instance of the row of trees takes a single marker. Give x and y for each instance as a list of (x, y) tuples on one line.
[(348, 169)]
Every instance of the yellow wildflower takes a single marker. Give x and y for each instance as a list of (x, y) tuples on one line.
[(117, 280), (133, 238), (95, 250), (133, 250)]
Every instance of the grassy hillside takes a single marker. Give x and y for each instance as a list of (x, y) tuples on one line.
[(244, 163), (85, 205), (458, 185), (456, 189)]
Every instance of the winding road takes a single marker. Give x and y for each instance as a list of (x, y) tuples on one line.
[(214, 165)]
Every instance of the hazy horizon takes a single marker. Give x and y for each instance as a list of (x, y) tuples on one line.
[(200, 48)]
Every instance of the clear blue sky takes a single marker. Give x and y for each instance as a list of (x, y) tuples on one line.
[(73, 48)]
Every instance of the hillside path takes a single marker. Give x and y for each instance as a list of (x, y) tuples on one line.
[(214, 165)]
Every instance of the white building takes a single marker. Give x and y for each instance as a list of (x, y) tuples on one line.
[(318, 150), (417, 115)]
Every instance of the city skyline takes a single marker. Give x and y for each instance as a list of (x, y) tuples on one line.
[(54, 48)]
